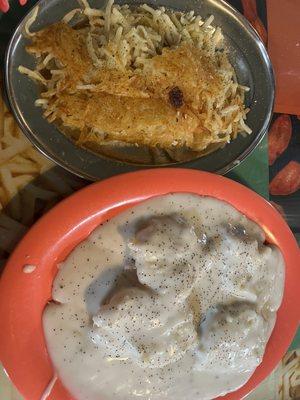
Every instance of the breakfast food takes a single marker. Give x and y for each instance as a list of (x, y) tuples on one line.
[(174, 298), (30, 184), (138, 77)]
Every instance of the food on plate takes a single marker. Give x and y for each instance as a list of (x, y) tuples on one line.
[(287, 181), (138, 77), (29, 183), (279, 137), (174, 298)]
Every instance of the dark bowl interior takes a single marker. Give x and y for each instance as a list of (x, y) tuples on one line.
[(248, 57)]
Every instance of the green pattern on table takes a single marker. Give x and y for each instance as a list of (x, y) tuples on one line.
[(254, 171)]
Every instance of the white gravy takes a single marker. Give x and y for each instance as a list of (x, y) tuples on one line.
[(175, 298)]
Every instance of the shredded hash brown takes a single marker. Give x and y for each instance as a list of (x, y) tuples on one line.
[(139, 76)]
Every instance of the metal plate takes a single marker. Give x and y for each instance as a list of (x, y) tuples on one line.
[(248, 56)]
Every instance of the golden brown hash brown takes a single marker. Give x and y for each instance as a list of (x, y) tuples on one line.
[(163, 104)]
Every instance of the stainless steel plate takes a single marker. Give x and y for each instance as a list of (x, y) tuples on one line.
[(248, 56)]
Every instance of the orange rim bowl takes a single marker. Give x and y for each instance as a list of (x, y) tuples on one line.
[(23, 297)]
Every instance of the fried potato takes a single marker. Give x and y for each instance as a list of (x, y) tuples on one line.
[(30, 184)]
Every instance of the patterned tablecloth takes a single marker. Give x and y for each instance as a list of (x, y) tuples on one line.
[(36, 184)]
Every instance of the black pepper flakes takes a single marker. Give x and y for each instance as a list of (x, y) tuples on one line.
[(176, 97)]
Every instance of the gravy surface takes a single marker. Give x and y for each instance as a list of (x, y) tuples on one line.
[(174, 298)]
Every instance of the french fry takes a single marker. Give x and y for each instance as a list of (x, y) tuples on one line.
[(9, 126), (12, 192), (5, 107), (22, 180), (9, 140), (43, 162), (19, 133), (1, 119), (21, 159), (17, 168), (29, 183), (3, 196), (9, 152)]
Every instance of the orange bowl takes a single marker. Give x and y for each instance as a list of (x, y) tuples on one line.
[(23, 297)]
